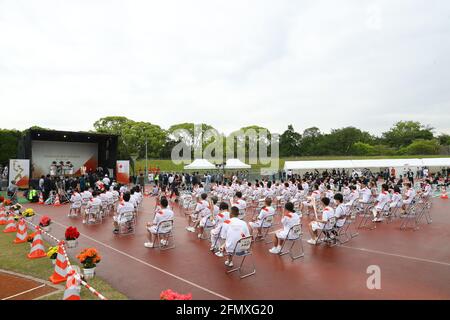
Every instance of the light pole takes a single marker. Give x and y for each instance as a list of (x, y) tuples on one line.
[(146, 159)]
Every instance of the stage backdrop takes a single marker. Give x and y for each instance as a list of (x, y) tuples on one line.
[(123, 171), (19, 171), (43, 153)]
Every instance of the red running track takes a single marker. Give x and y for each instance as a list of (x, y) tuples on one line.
[(414, 264)]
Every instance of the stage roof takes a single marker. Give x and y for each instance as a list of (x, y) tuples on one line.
[(71, 136), (370, 163)]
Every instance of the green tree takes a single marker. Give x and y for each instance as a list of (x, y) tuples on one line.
[(310, 139), (290, 142), (9, 140), (421, 146), (340, 141), (189, 136), (403, 133), (362, 149)]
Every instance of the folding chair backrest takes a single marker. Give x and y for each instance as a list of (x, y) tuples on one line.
[(294, 232), (165, 226), (243, 244), (267, 221)]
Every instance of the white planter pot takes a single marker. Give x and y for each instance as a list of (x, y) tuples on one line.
[(71, 243), (89, 273), (46, 229)]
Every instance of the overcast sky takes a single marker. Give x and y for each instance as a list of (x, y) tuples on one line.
[(64, 64)]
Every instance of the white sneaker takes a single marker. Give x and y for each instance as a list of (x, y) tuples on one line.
[(163, 242), (212, 248), (275, 250), (148, 244), (219, 253), (199, 236), (228, 264), (375, 220), (84, 221), (312, 241), (190, 229)]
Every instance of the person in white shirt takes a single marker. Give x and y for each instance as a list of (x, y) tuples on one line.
[(106, 180), (257, 222), (95, 202), (319, 224), (409, 196), (396, 200), (381, 203), (240, 204), (236, 230), (208, 220), (86, 196), (164, 214), (201, 210), (290, 218), (308, 204), (341, 210), (75, 200), (125, 212), (219, 231)]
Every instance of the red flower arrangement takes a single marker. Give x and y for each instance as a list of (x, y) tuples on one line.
[(2, 198), (72, 233), (6, 202), (45, 221), (172, 295)]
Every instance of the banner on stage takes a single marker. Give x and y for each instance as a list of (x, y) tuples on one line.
[(123, 171), (19, 171)]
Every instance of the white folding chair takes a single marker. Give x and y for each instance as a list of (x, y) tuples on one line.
[(294, 236), (243, 249), (164, 232)]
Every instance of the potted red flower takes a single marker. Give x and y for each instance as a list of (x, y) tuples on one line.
[(172, 295), (71, 235), (44, 223)]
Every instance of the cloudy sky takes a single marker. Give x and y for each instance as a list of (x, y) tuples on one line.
[(366, 63)]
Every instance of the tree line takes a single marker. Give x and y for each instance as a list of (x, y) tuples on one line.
[(403, 138)]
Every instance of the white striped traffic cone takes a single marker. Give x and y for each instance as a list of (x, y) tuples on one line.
[(41, 198), (57, 203), (21, 235), (11, 226), (60, 273), (3, 219), (73, 287), (37, 248)]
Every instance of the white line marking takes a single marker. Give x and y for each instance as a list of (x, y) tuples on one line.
[(21, 293), (151, 266)]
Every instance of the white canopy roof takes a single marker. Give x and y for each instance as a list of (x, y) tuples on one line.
[(236, 164), (372, 163), (200, 164)]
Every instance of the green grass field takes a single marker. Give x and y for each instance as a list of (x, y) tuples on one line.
[(13, 257), (168, 165)]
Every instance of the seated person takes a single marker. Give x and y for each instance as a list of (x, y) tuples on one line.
[(235, 230), (308, 204), (93, 203), (409, 196), (209, 219), (164, 214), (323, 223), (341, 210), (155, 190), (75, 201), (201, 210), (396, 200), (219, 231), (381, 203), (125, 212), (240, 204), (290, 218), (266, 211)]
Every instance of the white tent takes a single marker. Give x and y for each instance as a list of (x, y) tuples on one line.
[(372, 163), (236, 164), (200, 164)]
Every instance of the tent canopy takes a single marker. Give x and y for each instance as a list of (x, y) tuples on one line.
[(372, 163), (236, 164), (200, 164)]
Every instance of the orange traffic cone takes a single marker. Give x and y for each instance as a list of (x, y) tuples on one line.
[(21, 235), (60, 273), (73, 288), (37, 248), (11, 226), (3, 219), (41, 198), (57, 203), (444, 193)]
